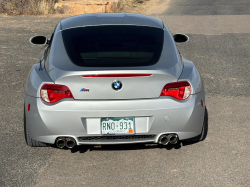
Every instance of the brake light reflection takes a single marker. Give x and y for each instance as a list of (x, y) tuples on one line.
[(118, 75)]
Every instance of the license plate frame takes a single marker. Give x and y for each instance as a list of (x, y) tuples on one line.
[(116, 126)]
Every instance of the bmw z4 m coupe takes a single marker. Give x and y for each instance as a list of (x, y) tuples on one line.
[(114, 78)]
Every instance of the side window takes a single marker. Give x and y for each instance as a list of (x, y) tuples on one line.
[(180, 56), (180, 53), (46, 56), (46, 53), (51, 38)]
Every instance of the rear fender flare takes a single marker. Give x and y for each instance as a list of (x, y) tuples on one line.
[(191, 74), (35, 80)]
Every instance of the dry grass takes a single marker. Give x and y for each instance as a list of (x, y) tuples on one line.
[(43, 7), (31, 7), (128, 5)]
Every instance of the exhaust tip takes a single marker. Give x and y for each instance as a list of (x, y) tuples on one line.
[(60, 142), (163, 140), (173, 138), (70, 143)]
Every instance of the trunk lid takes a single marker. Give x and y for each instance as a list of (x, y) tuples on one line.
[(103, 88)]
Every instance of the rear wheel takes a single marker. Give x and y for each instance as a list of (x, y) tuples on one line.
[(204, 130), (28, 140)]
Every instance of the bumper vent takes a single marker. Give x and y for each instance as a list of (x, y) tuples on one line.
[(130, 137)]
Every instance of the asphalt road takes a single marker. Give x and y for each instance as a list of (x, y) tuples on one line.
[(208, 7), (220, 48)]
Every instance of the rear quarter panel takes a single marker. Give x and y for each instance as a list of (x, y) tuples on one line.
[(35, 79), (191, 74)]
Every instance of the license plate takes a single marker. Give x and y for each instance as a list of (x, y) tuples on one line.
[(117, 125)]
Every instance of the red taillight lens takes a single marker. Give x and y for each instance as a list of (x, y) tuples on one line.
[(51, 93), (118, 75), (179, 90)]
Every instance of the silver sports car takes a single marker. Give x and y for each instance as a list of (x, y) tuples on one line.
[(114, 78)]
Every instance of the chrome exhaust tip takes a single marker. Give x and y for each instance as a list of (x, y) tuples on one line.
[(163, 140), (70, 143), (60, 142), (173, 138)]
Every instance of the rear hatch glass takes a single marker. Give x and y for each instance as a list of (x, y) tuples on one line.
[(113, 45)]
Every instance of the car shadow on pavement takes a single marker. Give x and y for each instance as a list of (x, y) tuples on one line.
[(124, 147)]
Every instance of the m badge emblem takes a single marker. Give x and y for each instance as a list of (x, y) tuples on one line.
[(84, 90)]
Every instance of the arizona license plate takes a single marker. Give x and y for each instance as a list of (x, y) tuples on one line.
[(117, 125)]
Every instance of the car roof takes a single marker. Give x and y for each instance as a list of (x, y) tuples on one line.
[(96, 19)]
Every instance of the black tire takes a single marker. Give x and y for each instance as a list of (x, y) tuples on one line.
[(204, 130), (28, 140)]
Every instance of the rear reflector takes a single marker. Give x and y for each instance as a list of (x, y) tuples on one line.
[(51, 93), (118, 75), (179, 90)]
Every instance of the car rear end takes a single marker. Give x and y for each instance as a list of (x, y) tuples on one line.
[(114, 84)]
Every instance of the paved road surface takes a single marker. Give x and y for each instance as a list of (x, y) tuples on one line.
[(208, 7), (221, 52)]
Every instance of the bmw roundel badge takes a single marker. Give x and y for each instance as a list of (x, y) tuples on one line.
[(117, 85)]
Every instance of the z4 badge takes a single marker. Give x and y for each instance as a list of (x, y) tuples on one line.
[(84, 90)]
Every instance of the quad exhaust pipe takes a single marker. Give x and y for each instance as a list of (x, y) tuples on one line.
[(69, 142), (60, 143), (165, 139), (173, 138)]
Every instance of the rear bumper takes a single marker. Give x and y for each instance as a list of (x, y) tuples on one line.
[(80, 118)]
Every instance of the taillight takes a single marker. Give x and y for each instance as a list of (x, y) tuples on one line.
[(179, 90), (51, 93)]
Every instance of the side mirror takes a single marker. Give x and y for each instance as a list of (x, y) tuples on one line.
[(180, 38), (38, 40)]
